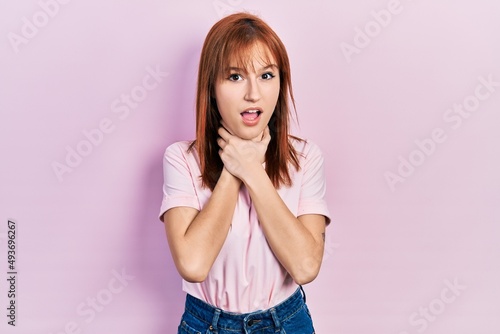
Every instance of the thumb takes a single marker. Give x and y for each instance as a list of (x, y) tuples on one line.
[(266, 135)]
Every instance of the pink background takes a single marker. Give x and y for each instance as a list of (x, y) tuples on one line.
[(392, 250)]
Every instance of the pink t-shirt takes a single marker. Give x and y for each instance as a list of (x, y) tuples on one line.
[(246, 276)]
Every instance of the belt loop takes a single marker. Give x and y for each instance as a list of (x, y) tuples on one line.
[(302, 289), (276, 320), (215, 319)]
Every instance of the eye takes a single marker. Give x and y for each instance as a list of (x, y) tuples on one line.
[(235, 77), (268, 76)]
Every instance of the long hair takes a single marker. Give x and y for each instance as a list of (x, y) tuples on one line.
[(231, 38)]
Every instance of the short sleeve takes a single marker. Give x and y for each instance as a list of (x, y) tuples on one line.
[(313, 188), (178, 185)]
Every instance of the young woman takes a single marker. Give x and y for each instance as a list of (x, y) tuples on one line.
[(244, 204)]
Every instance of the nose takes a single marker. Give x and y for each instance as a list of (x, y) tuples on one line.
[(252, 93)]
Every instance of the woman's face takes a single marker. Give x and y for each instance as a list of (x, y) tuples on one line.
[(246, 98)]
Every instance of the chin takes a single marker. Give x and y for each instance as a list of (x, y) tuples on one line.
[(249, 133)]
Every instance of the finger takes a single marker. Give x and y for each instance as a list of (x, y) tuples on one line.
[(266, 135), (258, 139), (223, 133), (221, 142), (225, 127)]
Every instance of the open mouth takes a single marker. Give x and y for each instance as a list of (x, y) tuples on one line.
[(251, 115)]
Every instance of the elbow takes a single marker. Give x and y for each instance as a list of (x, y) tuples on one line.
[(307, 272), (192, 272), (193, 277), (304, 278)]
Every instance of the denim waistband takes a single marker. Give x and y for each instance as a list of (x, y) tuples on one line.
[(216, 318)]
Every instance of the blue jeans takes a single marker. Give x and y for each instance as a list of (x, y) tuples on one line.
[(291, 316)]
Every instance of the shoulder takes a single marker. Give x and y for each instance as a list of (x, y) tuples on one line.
[(180, 158), (181, 153), (179, 149), (305, 148)]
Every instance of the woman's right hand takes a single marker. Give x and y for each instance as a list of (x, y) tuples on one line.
[(241, 156)]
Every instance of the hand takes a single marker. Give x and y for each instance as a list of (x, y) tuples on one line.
[(240, 156)]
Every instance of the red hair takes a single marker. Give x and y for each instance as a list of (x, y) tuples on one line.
[(231, 38)]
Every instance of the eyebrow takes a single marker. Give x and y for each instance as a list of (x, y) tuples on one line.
[(239, 69)]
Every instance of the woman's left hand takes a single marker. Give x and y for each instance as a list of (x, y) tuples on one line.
[(240, 156)]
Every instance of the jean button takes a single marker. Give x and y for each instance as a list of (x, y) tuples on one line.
[(250, 322)]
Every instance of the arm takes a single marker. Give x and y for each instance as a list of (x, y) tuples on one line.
[(298, 243), (196, 237)]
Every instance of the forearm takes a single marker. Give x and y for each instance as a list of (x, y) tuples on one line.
[(298, 250), (198, 246)]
